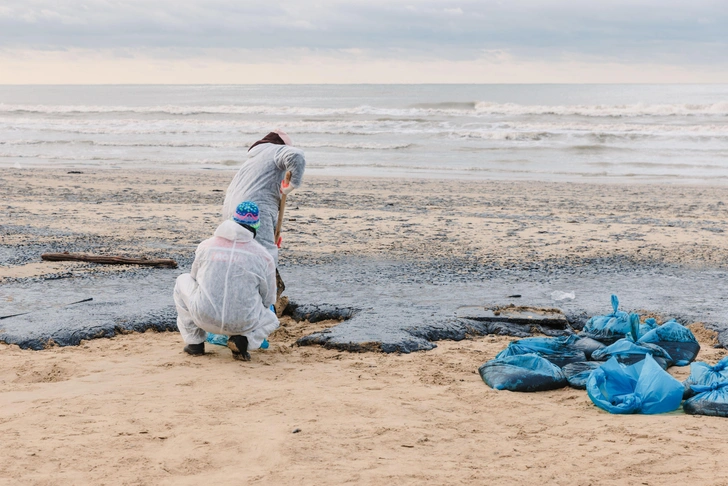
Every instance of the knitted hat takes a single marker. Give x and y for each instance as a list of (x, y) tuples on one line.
[(247, 214)]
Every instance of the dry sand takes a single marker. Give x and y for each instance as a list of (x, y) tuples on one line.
[(135, 410)]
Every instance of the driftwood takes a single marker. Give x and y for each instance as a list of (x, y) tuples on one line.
[(112, 260)]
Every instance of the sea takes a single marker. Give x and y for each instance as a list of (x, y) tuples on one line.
[(674, 134)]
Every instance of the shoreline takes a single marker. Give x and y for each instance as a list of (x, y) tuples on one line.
[(479, 175)]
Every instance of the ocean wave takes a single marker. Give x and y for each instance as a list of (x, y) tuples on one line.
[(478, 108), (97, 143), (226, 145), (657, 165), (501, 135), (358, 146), (634, 110), (509, 169), (448, 105), (601, 130)]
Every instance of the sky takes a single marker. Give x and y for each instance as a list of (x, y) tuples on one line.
[(363, 41)]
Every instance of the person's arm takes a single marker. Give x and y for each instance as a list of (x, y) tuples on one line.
[(291, 159), (196, 263)]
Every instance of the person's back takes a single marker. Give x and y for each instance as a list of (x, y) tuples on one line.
[(229, 289), (231, 271), (259, 180)]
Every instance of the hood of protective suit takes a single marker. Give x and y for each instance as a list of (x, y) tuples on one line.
[(230, 230)]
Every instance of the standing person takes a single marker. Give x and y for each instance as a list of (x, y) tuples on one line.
[(229, 289), (261, 179)]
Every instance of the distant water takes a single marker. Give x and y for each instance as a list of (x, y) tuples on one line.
[(663, 133)]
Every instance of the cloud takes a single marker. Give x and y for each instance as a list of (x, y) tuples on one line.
[(667, 32), (618, 28)]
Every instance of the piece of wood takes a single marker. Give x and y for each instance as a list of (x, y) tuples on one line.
[(111, 260), (281, 208)]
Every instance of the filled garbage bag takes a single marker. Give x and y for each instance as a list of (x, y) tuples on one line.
[(628, 352), (524, 373), (587, 345), (709, 400), (676, 339), (578, 373), (702, 374), (643, 387), (607, 329), (559, 351)]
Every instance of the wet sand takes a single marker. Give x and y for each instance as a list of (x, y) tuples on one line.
[(495, 223), (135, 410)]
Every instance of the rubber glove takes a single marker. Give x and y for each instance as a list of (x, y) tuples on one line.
[(286, 188)]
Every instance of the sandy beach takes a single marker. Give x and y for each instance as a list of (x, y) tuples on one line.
[(134, 409)]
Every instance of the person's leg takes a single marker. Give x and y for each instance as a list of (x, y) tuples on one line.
[(192, 335)]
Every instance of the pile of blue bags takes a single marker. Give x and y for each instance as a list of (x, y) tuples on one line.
[(621, 363)]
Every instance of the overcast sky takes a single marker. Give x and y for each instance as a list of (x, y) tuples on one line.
[(215, 41)]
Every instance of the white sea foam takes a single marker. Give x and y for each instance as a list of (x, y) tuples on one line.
[(449, 108)]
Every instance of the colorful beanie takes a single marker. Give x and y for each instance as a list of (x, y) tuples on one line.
[(247, 214)]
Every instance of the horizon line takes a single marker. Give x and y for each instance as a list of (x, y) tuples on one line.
[(636, 83)]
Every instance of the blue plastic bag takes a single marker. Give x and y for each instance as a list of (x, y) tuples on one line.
[(587, 344), (709, 400), (607, 329), (524, 373), (628, 352), (560, 351), (217, 339), (702, 374), (643, 387), (677, 340), (577, 374)]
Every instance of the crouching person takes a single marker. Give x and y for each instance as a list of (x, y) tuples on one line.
[(229, 289)]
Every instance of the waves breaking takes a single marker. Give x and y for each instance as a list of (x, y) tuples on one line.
[(578, 132), (475, 108)]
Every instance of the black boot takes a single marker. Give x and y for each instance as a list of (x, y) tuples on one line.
[(239, 346), (195, 349)]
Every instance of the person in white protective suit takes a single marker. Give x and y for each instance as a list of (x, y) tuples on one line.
[(229, 289), (261, 179)]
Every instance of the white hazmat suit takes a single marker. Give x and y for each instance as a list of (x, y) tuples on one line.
[(229, 290), (259, 180)]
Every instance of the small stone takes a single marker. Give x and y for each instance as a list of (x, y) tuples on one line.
[(296, 430)]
